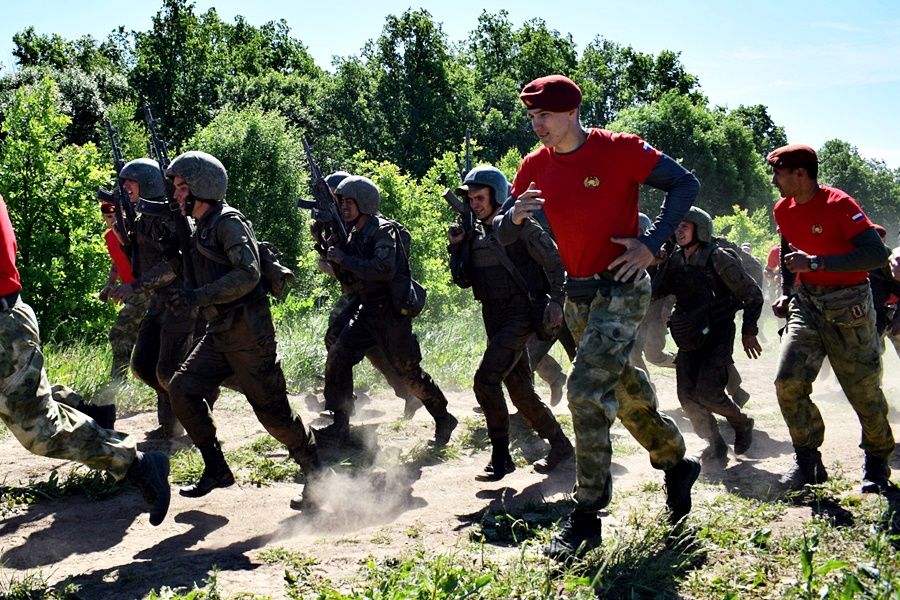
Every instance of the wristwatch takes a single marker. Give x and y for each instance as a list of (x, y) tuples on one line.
[(814, 263)]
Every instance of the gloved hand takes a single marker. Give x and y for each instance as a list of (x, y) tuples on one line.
[(123, 292), (180, 300)]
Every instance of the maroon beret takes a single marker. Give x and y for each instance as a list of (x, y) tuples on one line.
[(556, 93), (792, 156), (107, 208)]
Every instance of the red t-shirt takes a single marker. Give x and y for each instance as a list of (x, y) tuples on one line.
[(120, 260), (590, 195), (823, 226), (9, 275)]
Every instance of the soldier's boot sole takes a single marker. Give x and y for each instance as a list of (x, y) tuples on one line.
[(150, 473), (679, 481)]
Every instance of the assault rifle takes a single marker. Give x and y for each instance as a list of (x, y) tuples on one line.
[(466, 216), (158, 151), (330, 230), (118, 196)]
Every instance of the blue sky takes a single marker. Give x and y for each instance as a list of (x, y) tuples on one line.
[(825, 69)]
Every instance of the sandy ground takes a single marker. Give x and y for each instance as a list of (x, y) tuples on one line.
[(406, 500)]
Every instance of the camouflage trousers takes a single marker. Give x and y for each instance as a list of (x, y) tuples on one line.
[(651, 336), (838, 323), (29, 406), (124, 332), (603, 385)]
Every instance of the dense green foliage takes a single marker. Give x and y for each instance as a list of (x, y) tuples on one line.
[(397, 111), (49, 189)]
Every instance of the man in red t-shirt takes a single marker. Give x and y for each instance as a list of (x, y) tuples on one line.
[(45, 426), (586, 181), (124, 331), (828, 245)]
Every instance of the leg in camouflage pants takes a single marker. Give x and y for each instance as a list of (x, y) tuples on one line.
[(821, 323), (603, 385), (124, 332), (41, 424)]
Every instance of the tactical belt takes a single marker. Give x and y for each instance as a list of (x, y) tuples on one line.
[(582, 290), (7, 302), (602, 276)]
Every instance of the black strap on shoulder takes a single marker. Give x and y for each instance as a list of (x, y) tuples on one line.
[(509, 266)]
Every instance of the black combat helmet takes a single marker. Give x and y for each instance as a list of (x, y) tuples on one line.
[(148, 176), (363, 190), (489, 176), (204, 173), (703, 225)]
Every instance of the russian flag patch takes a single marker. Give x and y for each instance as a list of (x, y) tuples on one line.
[(857, 216)]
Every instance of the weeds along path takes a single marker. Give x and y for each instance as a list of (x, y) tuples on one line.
[(391, 497)]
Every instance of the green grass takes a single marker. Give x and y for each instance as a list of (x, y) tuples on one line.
[(95, 485), (259, 462), (34, 586)]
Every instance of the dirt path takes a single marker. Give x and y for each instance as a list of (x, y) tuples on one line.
[(396, 505)]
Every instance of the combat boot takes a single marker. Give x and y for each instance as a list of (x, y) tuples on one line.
[(216, 473), (312, 468), (716, 451), (679, 481), (169, 426), (105, 415), (578, 534), (876, 475), (561, 450), (743, 437), (338, 433), (501, 462), (807, 470), (443, 429), (557, 389), (150, 473)]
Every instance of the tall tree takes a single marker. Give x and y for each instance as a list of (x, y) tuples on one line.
[(176, 69), (717, 147), (422, 96), (766, 134), (614, 77), (50, 190), (870, 182)]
